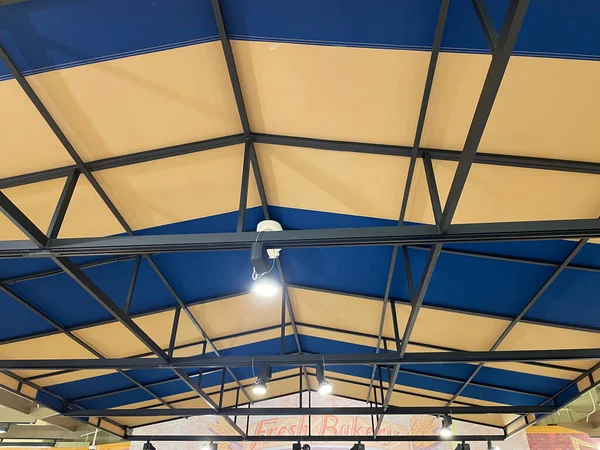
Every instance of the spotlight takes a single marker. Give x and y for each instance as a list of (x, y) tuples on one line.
[(492, 447), (324, 386), (208, 446), (4, 428), (299, 446), (463, 446), (445, 431), (260, 385), (149, 446), (265, 286), (259, 388), (358, 446)]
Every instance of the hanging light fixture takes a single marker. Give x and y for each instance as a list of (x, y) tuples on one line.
[(445, 431), (149, 446), (260, 385), (208, 446), (263, 261), (492, 447), (323, 385)]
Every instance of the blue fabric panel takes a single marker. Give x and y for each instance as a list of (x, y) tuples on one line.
[(15, 267), (569, 394), (111, 401), (455, 371), (571, 300), (549, 251), (206, 275), (49, 401), (91, 386), (481, 285), (521, 381), (357, 270), (150, 293), (494, 395), (63, 300), (21, 321), (49, 34), (589, 255)]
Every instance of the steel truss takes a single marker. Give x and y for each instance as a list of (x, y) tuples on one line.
[(426, 237)]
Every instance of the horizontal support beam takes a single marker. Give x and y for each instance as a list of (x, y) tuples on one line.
[(327, 438), (294, 141), (297, 360), (350, 411), (493, 159), (123, 160), (337, 237)]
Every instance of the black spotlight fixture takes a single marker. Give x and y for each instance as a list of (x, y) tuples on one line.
[(445, 431), (208, 446), (323, 385), (149, 446), (492, 446), (358, 446), (260, 385), (299, 446), (463, 446)]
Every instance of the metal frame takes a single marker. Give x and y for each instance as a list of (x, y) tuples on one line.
[(429, 238)]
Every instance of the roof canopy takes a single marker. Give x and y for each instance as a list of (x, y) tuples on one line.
[(434, 166)]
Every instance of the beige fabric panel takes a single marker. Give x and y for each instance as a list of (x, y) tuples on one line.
[(252, 338), (237, 314), (457, 330), (537, 370), (142, 102), (360, 314), (525, 336), (180, 188), (55, 346), (341, 182), (27, 143), (87, 215), (71, 376), (113, 340), (332, 92), (37, 201), (497, 193), (528, 117)]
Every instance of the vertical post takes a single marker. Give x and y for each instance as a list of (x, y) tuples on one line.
[(174, 331), (396, 327), (282, 341), (237, 402), (223, 372), (300, 388)]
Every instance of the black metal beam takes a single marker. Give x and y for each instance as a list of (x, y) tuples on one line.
[(22, 301), (74, 271), (435, 50), (62, 205), (123, 160), (524, 311), (22, 222), (132, 282), (313, 438), (313, 411), (233, 75), (295, 141), (244, 188), (301, 359), (493, 159), (339, 237), (487, 24), (506, 42)]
